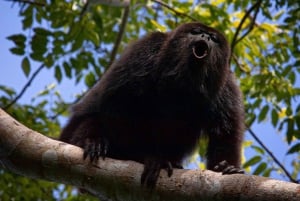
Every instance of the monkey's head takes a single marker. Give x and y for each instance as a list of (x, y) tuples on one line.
[(199, 53)]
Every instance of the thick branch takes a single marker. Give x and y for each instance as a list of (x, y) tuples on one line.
[(31, 154)]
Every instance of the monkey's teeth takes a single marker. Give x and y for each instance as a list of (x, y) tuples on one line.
[(199, 56)]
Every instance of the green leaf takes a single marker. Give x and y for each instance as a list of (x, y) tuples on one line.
[(39, 44), (28, 18), (297, 134), (98, 18), (93, 36), (290, 130), (58, 74), (26, 66), (42, 31), (260, 168), (67, 69), (90, 79), (297, 119), (287, 70), (37, 56), (263, 113), (58, 47), (294, 149), (78, 43), (254, 160), (267, 173), (49, 61), (7, 90), (258, 149), (18, 39), (250, 119), (275, 117), (17, 51)]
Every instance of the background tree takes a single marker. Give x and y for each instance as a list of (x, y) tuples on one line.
[(77, 40)]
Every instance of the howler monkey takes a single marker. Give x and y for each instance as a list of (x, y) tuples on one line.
[(153, 104)]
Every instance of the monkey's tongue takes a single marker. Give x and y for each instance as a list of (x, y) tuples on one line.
[(200, 49)]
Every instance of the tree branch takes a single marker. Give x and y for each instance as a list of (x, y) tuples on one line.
[(31, 154), (24, 88), (120, 35), (32, 2), (174, 10), (235, 39), (272, 156)]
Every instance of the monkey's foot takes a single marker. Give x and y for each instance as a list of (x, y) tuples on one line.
[(225, 168), (95, 148), (152, 169)]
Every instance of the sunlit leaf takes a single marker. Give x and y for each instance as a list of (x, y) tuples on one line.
[(90, 79), (158, 26)]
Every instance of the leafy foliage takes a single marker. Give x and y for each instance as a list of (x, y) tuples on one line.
[(76, 41)]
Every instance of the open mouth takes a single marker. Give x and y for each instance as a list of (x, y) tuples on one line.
[(200, 49)]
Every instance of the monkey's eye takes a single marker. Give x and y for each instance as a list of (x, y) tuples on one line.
[(196, 31), (214, 38)]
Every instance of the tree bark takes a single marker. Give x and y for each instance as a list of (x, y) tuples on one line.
[(28, 153)]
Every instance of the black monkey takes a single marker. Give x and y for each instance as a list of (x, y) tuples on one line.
[(153, 104)]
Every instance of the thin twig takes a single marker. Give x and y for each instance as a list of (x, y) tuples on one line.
[(120, 35), (24, 88), (174, 10), (28, 2), (247, 14), (272, 156), (250, 27)]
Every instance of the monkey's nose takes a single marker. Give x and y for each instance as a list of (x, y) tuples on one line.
[(205, 36)]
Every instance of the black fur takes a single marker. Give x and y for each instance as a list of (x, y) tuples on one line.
[(153, 104)]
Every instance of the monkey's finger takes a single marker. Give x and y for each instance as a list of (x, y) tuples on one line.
[(169, 168), (232, 170), (104, 146), (221, 166), (86, 152), (151, 173)]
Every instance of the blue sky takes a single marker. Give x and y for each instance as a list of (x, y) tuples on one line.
[(12, 76)]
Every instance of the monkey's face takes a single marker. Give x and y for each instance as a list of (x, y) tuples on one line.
[(203, 43), (202, 52)]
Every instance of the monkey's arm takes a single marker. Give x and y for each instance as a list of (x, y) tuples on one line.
[(114, 96), (226, 133)]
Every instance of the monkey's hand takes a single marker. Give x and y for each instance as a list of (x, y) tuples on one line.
[(152, 169), (225, 168), (95, 148)]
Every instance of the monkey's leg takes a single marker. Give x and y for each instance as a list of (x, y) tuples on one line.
[(224, 153)]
